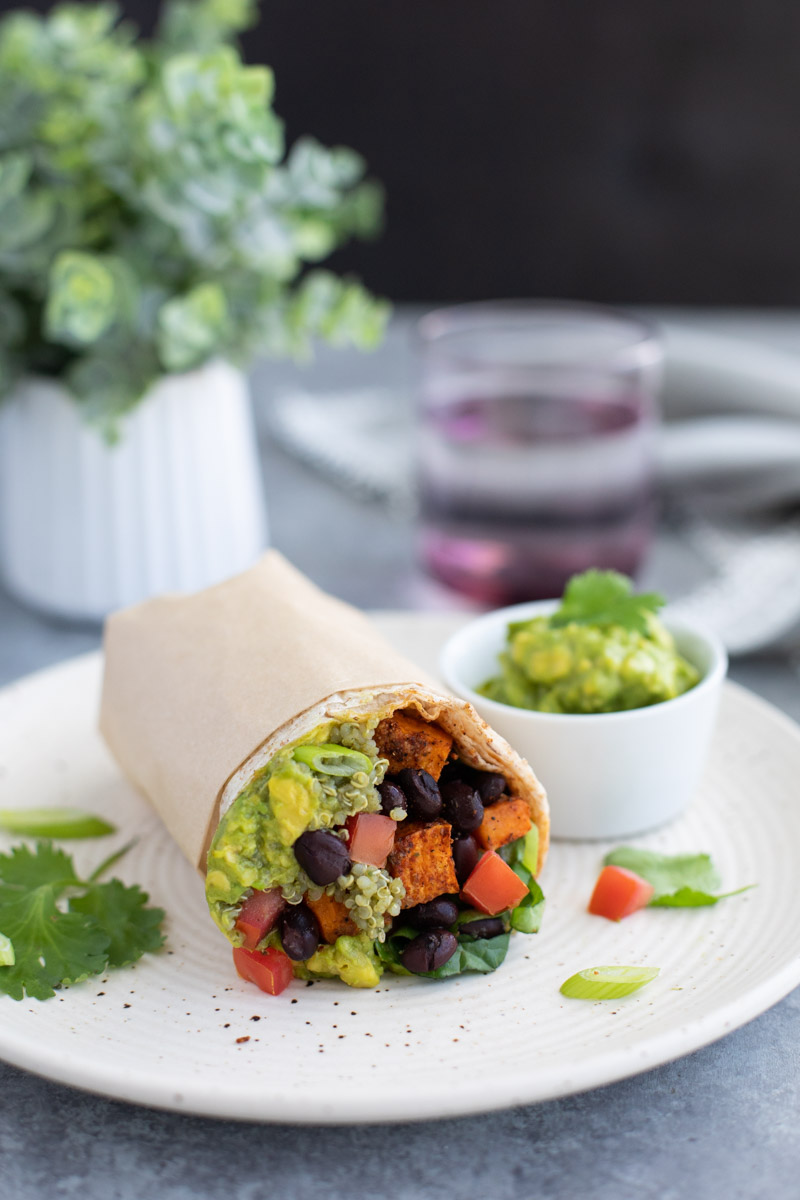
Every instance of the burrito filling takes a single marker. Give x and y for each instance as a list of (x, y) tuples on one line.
[(372, 844)]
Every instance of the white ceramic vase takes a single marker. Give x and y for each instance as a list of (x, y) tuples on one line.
[(176, 504)]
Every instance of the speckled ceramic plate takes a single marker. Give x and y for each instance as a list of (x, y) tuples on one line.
[(181, 1031)]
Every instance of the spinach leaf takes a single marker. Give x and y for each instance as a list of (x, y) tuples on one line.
[(680, 880), (482, 955), (667, 872), (528, 915)]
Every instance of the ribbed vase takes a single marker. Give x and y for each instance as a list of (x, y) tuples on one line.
[(177, 504)]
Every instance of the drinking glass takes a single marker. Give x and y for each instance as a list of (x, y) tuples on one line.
[(537, 426)]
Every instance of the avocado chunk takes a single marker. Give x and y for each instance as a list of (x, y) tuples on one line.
[(351, 959)]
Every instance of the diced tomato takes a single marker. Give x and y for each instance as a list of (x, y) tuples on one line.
[(258, 915), (492, 887), (371, 838), (618, 893), (271, 970)]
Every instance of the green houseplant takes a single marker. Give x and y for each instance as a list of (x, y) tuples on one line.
[(150, 218), (153, 227)]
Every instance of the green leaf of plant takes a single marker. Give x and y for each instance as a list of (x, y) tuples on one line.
[(191, 327), (523, 858), (680, 880), (24, 869), (13, 322), (134, 172), (15, 170), (106, 925), (109, 381), (687, 897), (82, 299), (605, 598), (389, 953), (527, 917), (52, 948), (481, 955), (200, 25), (668, 873), (121, 912)]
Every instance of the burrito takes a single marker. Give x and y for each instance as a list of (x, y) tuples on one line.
[(348, 815)]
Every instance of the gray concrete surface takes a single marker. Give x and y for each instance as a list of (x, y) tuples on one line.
[(721, 1123)]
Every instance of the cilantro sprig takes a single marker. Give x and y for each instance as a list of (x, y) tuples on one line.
[(60, 928), (679, 880), (605, 598)]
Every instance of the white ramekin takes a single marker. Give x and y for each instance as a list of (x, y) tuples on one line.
[(607, 775)]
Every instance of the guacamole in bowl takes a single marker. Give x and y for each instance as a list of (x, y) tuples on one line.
[(603, 650), (614, 705)]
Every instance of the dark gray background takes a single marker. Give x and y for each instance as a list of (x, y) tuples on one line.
[(617, 150)]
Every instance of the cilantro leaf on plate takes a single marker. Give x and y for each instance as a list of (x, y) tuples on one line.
[(51, 947), (61, 929), (24, 868), (605, 598), (132, 928)]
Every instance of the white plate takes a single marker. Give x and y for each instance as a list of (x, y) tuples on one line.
[(167, 1031)]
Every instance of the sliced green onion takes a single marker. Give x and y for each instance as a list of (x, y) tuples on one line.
[(7, 955), (607, 983), (53, 823), (333, 760)]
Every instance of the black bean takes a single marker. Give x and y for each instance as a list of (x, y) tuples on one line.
[(461, 806), (451, 770), (392, 796), (434, 915), (322, 855), (299, 930), (489, 785), (422, 793), (483, 927), (466, 853), (429, 951)]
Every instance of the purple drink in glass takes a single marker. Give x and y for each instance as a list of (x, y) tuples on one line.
[(535, 454)]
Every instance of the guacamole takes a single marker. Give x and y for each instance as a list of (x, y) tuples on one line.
[(317, 784), (573, 664)]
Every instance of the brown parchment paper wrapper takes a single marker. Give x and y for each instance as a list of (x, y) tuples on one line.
[(201, 690)]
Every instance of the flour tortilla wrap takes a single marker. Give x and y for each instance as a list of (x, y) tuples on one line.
[(200, 691)]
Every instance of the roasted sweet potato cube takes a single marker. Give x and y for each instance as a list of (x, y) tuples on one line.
[(423, 859), (408, 741), (334, 919), (504, 822)]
